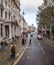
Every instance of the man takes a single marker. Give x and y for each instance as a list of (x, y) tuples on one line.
[(13, 51)]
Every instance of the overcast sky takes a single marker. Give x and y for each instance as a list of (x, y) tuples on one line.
[(30, 8)]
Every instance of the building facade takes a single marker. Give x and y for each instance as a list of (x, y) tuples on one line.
[(23, 25), (9, 18)]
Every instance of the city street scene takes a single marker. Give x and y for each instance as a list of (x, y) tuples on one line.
[(26, 32)]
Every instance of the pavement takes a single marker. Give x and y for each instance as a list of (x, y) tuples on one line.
[(5, 58), (49, 40)]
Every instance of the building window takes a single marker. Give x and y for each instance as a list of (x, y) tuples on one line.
[(14, 16), (9, 1), (1, 12), (1, 30), (5, 15), (9, 15), (7, 31), (9, 6), (5, 3), (1, 1)]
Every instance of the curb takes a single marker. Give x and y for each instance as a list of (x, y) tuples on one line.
[(52, 42), (18, 59), (48, 39), (20, 51), (18, 54)]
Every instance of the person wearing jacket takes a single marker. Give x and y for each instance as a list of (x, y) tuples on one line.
[(13, 51)]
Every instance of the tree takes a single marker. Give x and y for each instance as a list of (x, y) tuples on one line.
[(46, 16)]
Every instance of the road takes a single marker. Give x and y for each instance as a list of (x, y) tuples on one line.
[(40, 52)]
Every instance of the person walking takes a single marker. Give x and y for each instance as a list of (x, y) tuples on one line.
[(30, 39), (13, 51), (23, 40), (2, 45), (5, 44)]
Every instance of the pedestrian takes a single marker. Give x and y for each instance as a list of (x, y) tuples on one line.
[(2, 45), (13, 50), (30, 40), (23, 40), (48, 34), (5, 44)]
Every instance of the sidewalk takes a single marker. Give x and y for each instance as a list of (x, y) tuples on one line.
[(49, 40), (5, 58)]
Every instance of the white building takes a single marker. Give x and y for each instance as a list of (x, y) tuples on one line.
[(23, 25), (9, 18)]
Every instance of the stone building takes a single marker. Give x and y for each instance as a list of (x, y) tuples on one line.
[(9, 18), (23, 25)]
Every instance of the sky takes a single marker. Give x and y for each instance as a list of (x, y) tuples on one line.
[(30, 9)]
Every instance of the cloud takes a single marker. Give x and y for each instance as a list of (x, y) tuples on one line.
[(30, 5), (30, 8)]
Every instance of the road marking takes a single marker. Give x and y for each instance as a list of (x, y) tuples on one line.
[(17, 54), (47, 60), (20, 51), (43, 52), (19, 57), (39, 44), (41, 48)]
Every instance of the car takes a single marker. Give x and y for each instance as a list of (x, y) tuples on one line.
[(39, 37)]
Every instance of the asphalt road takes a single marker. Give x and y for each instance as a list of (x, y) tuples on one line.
[(38, 53)]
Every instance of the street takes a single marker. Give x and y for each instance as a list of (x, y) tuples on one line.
[(38, 53), (26, 32)]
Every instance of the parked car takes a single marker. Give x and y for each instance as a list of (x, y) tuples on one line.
[(39, 37)]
